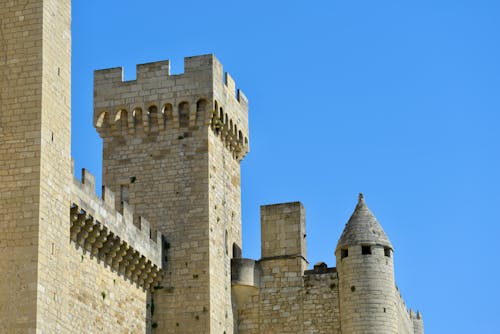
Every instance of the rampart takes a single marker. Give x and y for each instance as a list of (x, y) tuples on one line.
[(122, 241), (408, 321)]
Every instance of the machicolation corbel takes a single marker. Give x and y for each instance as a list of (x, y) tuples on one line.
[(123, 241), (158, 103)]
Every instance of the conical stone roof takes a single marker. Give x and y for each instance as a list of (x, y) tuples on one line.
[(363, 228)]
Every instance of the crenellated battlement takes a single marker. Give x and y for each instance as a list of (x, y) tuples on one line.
[(122, 240), (408, 315), (159, 103)]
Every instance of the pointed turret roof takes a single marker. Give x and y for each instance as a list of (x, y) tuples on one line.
[(363, 228)]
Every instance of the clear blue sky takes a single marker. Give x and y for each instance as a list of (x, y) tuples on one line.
[(396, 99)]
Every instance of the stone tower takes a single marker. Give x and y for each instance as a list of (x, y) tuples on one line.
[(35, 164), (172, 150), (366, 276)]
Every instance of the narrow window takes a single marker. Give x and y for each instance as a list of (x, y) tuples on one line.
[(387, 251), (165, 248), (226, 243), (366, 250), (344, 253)]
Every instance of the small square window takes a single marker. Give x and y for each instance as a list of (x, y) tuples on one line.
[(344, 253), (366, 250), (387, 251)]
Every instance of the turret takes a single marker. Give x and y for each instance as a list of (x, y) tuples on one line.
[(366, 275)]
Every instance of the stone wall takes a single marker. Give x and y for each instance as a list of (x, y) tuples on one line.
[(96, 222), (418, 323), (227, 145), (286, 298), (100, 300), (287, 301), (408, 321), (114, 259), (271, 299), (321, 300)]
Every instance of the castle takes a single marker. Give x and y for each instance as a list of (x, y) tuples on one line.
[(160, 251)]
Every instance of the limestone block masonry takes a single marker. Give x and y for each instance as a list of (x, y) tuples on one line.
[(160, 250), (35, 165), (122, 240)]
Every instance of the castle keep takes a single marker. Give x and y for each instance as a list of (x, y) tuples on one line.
[(160, 250)]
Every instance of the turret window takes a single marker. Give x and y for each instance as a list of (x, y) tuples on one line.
[(366, 250), (387, 251), (344, 253)]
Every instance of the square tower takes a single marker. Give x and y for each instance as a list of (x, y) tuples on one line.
[(35, 164), (172, 150)]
